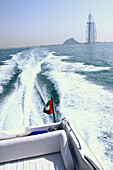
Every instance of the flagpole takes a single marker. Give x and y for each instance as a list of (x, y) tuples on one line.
[(53, 111)]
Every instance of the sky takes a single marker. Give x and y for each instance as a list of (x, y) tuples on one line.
[(46, 22)]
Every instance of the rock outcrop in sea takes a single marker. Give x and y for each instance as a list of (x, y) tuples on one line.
[(70, 41)]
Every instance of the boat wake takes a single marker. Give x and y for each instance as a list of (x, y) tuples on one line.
[(19, 108), (31, 77)]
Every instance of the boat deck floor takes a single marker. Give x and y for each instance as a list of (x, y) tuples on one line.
[(46, 162)]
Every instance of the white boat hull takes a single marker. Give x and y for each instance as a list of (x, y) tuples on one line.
[(59, 146)]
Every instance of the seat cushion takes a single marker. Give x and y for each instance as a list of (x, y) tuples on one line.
[(37, 145), (46, 162)]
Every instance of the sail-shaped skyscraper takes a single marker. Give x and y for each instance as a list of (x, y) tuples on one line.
[(91, 33)]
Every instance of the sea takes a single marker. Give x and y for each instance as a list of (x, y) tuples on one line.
[(78, 77)]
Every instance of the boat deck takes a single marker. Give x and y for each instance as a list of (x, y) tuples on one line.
[(60, 148), (49, 162)]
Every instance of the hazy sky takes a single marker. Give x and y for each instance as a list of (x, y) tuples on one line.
[(40, 22)]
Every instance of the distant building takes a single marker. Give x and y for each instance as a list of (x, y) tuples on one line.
[(91, 34)]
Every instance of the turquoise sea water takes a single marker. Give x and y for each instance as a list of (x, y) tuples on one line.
[(78, 77)]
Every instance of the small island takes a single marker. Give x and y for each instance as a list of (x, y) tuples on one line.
[(70, 41)]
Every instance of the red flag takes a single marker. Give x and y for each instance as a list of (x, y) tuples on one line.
[(49, 107)]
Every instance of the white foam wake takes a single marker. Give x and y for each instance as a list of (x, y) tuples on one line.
[(19, 109), (88, 106), (6, 72)]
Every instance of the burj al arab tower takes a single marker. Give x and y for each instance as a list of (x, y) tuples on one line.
[(91, 33)]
